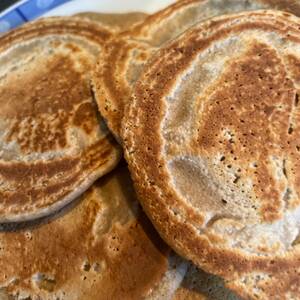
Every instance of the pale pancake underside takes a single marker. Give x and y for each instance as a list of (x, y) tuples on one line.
[(213, 143), (53, 143), (124, 58)]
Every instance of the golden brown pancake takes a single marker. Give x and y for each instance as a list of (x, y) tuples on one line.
[(100, 247), (124, 57), (117, 22), (212, 141), (53, 143)]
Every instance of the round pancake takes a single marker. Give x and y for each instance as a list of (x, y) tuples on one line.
[(53, 142), (117, 22), (126, 54), (212, 141), (101, 247)]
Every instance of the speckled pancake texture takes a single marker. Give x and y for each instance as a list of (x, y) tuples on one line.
[(125, 55), (212, 141), (100, 247), (53, 143)]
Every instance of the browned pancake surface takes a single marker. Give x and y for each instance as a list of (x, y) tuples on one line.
[(53, 143), (212, 141), (126, 54), (101, 247)]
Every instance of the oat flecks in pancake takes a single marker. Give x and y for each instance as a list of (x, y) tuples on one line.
[(53, 143), (212, 141), (112, 80), (101, 247)]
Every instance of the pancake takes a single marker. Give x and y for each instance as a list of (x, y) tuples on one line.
[(212, 142), (125, 55), (117, 22), (53, 142), (99, 247)]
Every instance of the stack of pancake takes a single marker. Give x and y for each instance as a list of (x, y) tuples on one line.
[(202, 98)]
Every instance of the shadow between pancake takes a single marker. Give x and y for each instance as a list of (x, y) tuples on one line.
[(104, 121), (210, 286), (142, 219)]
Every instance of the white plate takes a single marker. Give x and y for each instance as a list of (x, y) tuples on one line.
[(108, 6)]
